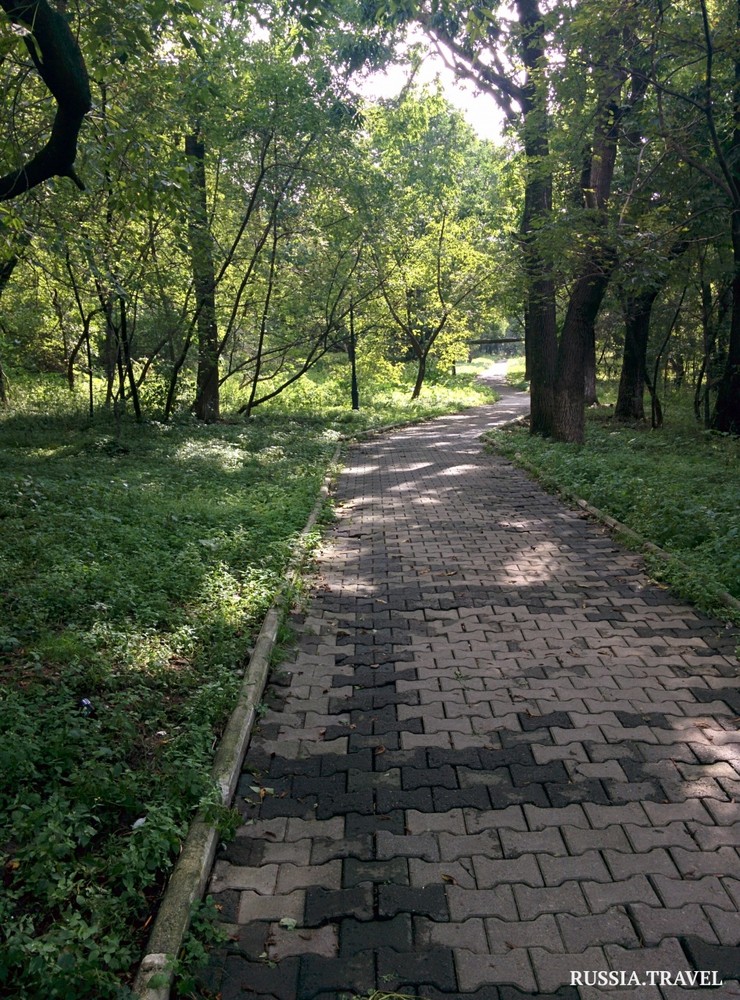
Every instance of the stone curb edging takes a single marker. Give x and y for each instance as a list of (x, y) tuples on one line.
[(632, 537), (189, 877)]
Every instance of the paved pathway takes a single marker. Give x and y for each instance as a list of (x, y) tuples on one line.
[(500, 756)]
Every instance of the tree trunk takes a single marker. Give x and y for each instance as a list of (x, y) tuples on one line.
[(598, 264), (583, 307), (590, 396), (420, 373), (206, 405), (726, 416), (630, 399), (540, 325)]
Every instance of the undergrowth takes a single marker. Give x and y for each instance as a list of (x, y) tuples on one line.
[(137, 562), (677, 487)]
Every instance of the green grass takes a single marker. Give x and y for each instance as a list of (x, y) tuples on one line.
[(677, 487), (136, 569)]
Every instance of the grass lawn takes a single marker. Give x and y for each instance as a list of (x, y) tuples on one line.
[(678, 487), (136, 569)]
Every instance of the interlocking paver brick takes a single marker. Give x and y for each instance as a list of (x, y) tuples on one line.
[(709, 838), (681, 892), (587, 866), (579, 840), (469, 934), (547, 841), (613, 927), (656, 923), (645, 838), (255, 906), (358, 936), (476, 970), (541, 818), (490, 873), (452, 822), (566, 898), (503, 935), (654, 862), (553, 971), (603, 896), (661, 813), (396, 970), (465, 903)]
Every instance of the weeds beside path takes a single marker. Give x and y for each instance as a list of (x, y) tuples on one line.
[(136, 570), (677, 487)]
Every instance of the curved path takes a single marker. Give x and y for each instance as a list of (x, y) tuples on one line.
[(500, 756)]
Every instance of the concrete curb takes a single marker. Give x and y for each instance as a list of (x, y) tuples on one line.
[(190, 874), (632, 538)]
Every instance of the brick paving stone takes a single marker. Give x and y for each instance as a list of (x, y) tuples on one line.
[(724, 861), (726, 925), (279, 981), (614, 927), (645, 838), (680, 892), (540, 819), (655, 862), (355, 872), (423, 873), (465, 903), (513, 968), (656, 923), (254, 906), (358, 936), (587, 866), (323, 905), (426, 901), (579, 841), (503, 935), (334, 974), (396, 970), (553, 971), (452, 822), (524, 869), (709, 838), (566, 898), (508, 818), (489, 701), (283, 943), (603, 896)]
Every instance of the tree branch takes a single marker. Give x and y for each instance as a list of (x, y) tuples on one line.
[(58, 60)]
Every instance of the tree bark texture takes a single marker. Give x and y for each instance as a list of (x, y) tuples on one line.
[(56, 55), (206, 405), (590, 286), (540, 332), (631, 396), (726, 416)]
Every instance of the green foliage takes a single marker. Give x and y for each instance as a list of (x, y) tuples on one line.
[(676, 487), (137, 564)]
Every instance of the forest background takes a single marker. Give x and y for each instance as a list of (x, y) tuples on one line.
[(216, 256)]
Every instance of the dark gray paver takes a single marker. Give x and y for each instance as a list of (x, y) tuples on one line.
[(498, 754)]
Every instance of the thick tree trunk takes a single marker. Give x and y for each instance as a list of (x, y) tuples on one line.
[(206, 405), (590, 286), (540, 329), (583, 307), (630, 399)]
